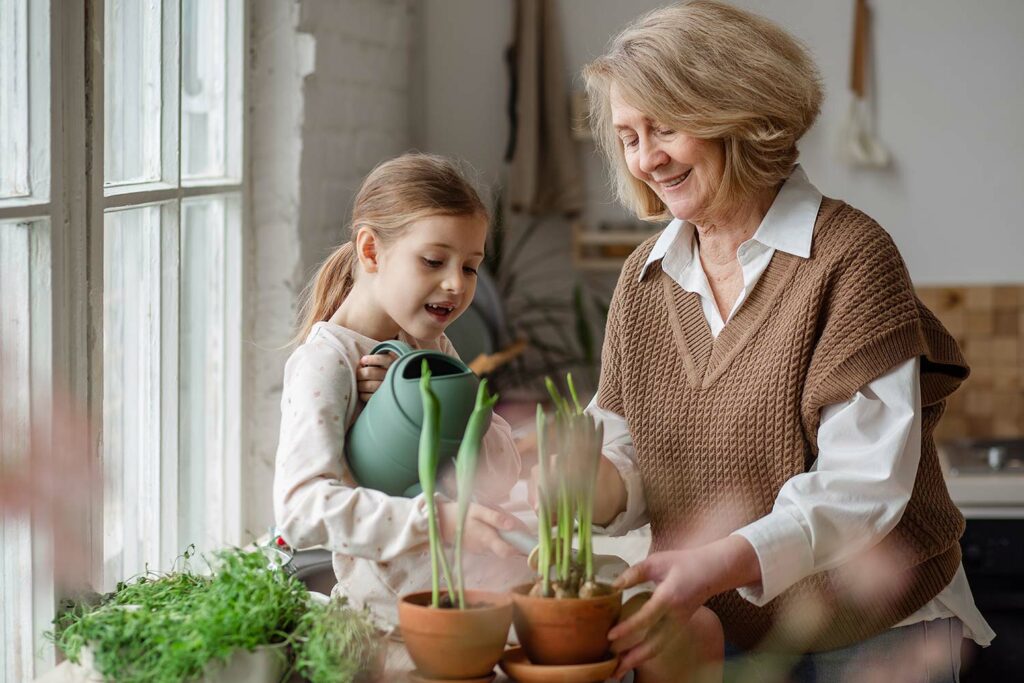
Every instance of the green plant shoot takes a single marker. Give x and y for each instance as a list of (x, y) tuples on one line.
[(591, 452), (465, 472), (429, 454), (561, 407), (543, 510), (578, 440), (572, 392), (563, 474)]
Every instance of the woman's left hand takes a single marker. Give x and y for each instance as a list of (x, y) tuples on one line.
[(681, 590), (370, 373), (686, 579)]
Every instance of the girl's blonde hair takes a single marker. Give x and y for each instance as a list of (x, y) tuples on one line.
[(395, 194), (714, 72)]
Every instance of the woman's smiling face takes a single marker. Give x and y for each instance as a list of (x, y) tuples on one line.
[(683, 171)]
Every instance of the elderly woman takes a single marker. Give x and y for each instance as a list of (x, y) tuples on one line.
[(770, 383)]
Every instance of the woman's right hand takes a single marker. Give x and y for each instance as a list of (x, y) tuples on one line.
[(609, 493), (480, 534)]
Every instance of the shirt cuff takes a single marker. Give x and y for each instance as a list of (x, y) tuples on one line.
[(783, 551), (635, 514)]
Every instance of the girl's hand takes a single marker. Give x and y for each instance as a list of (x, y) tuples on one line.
[(480, 535), (370, 373)]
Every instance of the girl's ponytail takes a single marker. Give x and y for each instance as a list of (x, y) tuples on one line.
[(328, 289)]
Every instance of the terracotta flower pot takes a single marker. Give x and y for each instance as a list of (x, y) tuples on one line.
[(454, 643), (564, 631)]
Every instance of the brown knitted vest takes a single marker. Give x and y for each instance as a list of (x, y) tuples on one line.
[(724, 423)]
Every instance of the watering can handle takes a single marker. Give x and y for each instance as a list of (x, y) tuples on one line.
[(399, 348)]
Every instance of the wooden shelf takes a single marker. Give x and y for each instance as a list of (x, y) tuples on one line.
[(600, 250), (598, 263), (604, 250), (616, 237)]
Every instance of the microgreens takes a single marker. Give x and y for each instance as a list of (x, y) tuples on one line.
[(169, 627), (335, 643)]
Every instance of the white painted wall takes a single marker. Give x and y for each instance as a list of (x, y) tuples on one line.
[(950, 87), (330, 98)]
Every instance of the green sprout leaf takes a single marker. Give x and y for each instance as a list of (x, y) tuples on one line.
[(543, 506), (465, 472), (429, 455)]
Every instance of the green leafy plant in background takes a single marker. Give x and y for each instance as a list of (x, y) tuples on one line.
[(170, 627), (559, 328)]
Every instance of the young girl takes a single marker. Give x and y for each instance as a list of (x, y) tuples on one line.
[(418, 234)]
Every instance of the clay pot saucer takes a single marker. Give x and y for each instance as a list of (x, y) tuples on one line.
[(516, 665), (416, 677)]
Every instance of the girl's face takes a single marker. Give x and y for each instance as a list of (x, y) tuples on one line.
[(427, 277), (683, 171)]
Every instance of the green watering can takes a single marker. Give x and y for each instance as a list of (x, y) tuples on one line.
[(383, 444)]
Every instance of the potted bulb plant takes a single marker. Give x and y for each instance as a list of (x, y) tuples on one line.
[(564, 617), (454, 633)]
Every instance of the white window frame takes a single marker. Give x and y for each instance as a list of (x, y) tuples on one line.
[(73, 200)]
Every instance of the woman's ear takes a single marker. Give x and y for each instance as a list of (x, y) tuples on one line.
[(367, 249)]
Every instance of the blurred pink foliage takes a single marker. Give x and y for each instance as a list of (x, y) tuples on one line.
[(47, 470)]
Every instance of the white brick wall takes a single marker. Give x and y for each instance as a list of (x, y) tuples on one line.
[(330, 94)]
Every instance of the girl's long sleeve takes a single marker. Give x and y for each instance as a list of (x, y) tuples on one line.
[(316, 500)]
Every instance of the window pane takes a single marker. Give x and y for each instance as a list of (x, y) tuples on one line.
[(201, 434), (132, 82), (204, 76), (138, 266), (207, 481), (26, 585), (13, 99)]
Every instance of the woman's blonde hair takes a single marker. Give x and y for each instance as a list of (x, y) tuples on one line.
[(394, 195), (714, 72)]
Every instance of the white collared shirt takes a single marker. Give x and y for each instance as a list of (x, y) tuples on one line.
[(846, 503)]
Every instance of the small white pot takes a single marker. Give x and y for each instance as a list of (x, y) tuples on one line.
[(265, 664)]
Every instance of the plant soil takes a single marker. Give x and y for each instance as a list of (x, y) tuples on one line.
[(572, 590), (446, 603)]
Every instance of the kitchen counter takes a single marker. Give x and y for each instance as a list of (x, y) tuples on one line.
[(979, 491)]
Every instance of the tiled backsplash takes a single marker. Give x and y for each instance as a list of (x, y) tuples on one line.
[(988, 323)]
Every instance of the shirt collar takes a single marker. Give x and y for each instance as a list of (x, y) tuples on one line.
[(788, 226)]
